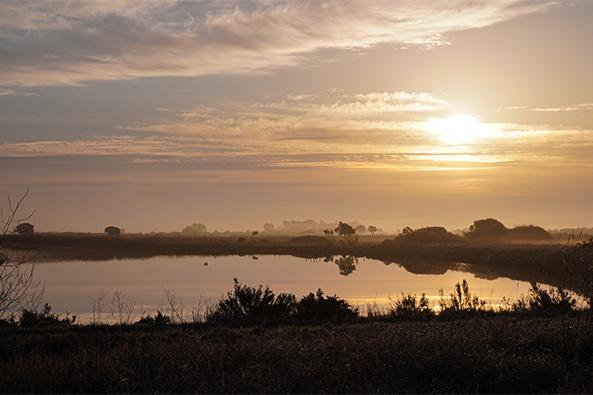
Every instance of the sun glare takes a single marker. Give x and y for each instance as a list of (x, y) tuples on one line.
[(459, 129)]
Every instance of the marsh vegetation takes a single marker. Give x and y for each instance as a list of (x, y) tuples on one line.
[(254, 340)]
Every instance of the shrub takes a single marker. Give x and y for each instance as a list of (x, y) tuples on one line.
[(159, 319), (317, 307), (410, 306), (529, 232), (487, 229), (249, 305), (540, 301), (431, 234), (461, 301), (34, 318)]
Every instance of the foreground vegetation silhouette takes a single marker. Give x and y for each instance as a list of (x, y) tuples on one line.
[(254, 340)]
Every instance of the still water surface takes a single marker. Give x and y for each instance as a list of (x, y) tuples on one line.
[(74, 286)]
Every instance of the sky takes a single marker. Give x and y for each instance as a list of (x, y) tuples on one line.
[(152, 115)]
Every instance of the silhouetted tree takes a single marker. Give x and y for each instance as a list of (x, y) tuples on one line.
[(24, 228), (488, 228), (407, 230), (345, 230), (372, 229), (113, 231), (327, 232), (253, 234), (529, 232), (194, 229), (429, 234)]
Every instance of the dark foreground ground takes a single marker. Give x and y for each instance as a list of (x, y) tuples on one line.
[(504, 353)]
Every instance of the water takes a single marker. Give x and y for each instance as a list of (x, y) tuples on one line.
[(75, 286)]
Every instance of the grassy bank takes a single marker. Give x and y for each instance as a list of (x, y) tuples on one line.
[(504, 353)]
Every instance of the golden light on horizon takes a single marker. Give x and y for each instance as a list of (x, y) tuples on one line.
[(458, 129)]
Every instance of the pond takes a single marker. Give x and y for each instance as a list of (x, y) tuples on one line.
[(77, 286)]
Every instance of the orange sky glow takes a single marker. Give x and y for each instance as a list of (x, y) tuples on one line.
[(153, 115)]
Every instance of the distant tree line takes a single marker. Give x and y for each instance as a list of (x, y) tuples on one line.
[(488, 229)]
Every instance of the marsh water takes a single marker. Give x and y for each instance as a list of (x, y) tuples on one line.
[(76, 286)]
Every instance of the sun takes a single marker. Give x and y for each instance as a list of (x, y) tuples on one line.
[(458, 129)]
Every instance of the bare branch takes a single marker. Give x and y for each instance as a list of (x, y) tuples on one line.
[(17, 287)]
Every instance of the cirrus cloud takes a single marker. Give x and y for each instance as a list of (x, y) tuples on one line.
[(69, 42)]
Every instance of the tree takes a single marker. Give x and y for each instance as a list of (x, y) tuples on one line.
[(24, 228), (327, 232), (530, 233), (488, 228), (407, 230), (253, 234), (361, 229), (113, 231), (372, 229), (194, 229), (429, 234), (17, 289), (345, 230)]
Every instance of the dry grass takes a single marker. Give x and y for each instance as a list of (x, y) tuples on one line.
[(496, 354)]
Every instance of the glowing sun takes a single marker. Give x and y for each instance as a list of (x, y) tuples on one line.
[(459, 129)]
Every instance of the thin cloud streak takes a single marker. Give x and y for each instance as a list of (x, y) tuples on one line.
[(568, 108)]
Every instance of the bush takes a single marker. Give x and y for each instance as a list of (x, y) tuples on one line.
[(487, 229), (33, 318), (319, 308), (540, 301), (461, 301), (249, 305), (410, 306), (431, 234), (529, 233), (159, 319), (246, 305)]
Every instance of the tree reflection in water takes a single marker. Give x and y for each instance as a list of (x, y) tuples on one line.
[(346, 263)]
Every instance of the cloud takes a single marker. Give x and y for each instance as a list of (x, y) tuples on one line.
[(399, 123), (6, 92), (70, 42), (577, 107), (332, 122), (155, 147), (281, 133), (567, 108)]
